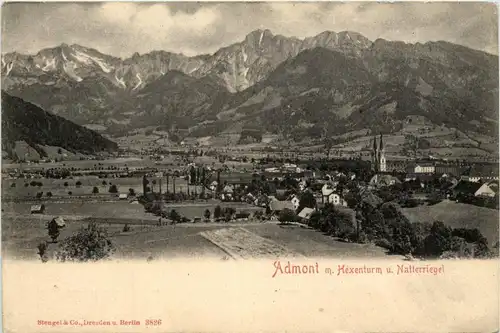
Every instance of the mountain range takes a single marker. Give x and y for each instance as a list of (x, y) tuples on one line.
[(328, 84)]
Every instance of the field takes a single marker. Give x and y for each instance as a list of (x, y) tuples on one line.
[(22, 232), (459, 215), (57, 186)]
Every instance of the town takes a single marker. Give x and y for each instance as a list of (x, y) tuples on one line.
[(376, 202)]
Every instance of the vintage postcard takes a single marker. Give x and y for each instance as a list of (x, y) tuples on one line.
[(250, 167)]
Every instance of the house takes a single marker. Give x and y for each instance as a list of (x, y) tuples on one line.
[(213, 185), (335, 199), (380, 180), (465, 188), (306, 213), (481, 172), (488, 189), (272, 198), (327, 189), (277, 206), (421, 167), (295, 202), (37, 209), (227, 193), (59, 221), (123, 196)]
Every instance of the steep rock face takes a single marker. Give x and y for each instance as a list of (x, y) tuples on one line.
[(238, 66)]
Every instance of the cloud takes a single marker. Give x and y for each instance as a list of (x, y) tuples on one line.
[(122, 28)]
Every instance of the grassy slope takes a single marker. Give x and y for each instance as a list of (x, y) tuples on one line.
[(459, 215)]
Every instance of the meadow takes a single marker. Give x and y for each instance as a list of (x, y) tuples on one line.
[(459, 215)]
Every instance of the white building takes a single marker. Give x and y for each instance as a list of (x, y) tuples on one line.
[(295, 202)]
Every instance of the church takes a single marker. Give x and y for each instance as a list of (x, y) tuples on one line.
[(379, 163)]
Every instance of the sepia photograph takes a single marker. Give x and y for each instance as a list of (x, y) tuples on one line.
[(290, 132)]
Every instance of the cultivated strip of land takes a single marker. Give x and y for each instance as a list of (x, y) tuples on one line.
[(240, 243)]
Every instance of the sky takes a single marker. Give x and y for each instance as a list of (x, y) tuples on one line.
[(123, 28)]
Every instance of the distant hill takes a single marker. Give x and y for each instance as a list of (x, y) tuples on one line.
[(23, 121)]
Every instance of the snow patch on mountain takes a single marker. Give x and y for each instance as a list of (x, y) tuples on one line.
[(9, 68), (69, 68), (89, 60), (121, 82), (64, 57), (138, 83), (49, 64), (261, 36)]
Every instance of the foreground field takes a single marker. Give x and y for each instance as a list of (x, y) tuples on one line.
[(22, 232), (459, 215)]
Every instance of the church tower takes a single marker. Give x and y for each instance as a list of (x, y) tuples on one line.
[(375, 155), (382, 163)]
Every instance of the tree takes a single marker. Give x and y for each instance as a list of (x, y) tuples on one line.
[(65, 184), (95, 190), (78, 183), (42, 251), (49, 194), (113, 189), (70, 193), (217, 212), (39, 195), (53, 230), (287, 215), (104, 183), (306, 200), (207, 214), (13, 185), (90, 243), (131, 192), (174, 216), (439, 239)]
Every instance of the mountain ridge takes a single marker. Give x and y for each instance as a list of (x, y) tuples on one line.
[(260, 78)]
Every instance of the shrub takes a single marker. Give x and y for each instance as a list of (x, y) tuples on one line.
[(49, 194), (174, 216), (439, 239), (287, 215), (13, 185), (131, 192), (95, 190), (104, 183), (78, 183), (113, 189), (70, 193), (207, 214), (26, 184), (39, 195), (217, 212), (90, 243), (42, 251), (384, 243), (126, 228), (65, 184)]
